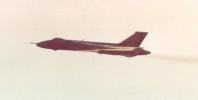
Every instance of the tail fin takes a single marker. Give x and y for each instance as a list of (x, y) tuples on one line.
[(134, 40)]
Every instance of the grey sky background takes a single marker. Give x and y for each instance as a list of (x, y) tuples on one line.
[(31, 73)]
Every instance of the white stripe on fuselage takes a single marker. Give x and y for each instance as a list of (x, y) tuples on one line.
[(111, 48)]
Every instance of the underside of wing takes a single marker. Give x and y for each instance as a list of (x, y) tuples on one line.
[(117, 51)]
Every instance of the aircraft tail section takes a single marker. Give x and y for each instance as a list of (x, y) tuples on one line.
[(135, 40)]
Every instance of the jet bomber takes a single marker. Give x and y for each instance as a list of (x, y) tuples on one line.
[(130, 47)]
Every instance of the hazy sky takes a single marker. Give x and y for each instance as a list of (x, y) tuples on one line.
[(31, 73)]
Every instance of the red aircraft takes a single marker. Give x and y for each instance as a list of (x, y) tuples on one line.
[(129, 47)]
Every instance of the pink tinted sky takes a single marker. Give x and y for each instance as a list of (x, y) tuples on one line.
[(28, 72)]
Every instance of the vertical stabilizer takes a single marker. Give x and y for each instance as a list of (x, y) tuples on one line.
[(135, 40)]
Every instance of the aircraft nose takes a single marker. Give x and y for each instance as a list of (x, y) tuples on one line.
[(39, 44), (43, 44)]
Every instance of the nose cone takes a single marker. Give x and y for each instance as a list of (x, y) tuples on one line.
[(44, 44), (39, 45)]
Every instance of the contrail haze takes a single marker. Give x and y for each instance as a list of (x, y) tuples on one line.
[(178, 58)]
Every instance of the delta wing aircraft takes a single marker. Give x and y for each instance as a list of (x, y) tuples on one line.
[(130, 47)]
